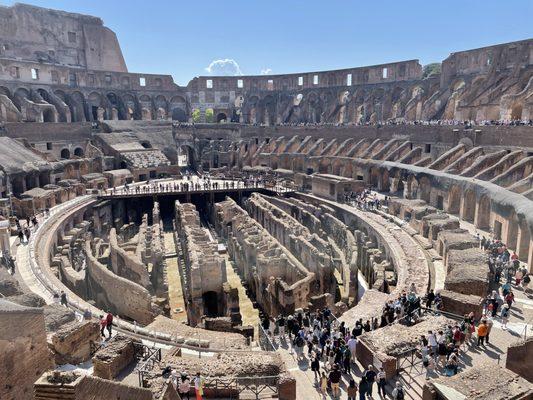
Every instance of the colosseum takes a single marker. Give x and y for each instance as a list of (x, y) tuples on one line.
[(294, 236)]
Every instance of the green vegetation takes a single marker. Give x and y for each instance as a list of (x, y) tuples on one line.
[(431, 69)]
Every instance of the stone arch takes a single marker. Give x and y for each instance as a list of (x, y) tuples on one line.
[(49, 115), (65, 153), (424, 189), (523, 242), (19, 97), (374, 178), (178, 114), (411, 188), (96, 107), (454, 200), (5, 91), (482, 220), (269, 110), (130, 106), (468, 210), (512, 231), (78, 152), (221, 117), (336, 167), (77, 105), (384, 183)]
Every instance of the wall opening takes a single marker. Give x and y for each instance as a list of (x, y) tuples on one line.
[(65, 154)]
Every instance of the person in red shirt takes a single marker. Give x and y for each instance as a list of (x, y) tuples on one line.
[(109, 322)]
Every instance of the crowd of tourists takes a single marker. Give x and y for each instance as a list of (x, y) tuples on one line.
[(328, 346), (401, 121), (365, 200), (205, 182)]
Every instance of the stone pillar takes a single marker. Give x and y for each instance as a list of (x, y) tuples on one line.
[(4, 235)]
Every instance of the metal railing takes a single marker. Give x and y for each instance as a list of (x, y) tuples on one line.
[(148, 357)]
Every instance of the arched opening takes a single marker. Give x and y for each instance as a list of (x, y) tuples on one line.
[(454, 200), (512, 232), (424, 190), (469, 206), (195, 115), (210, 300), (221, 117), (483, 213), (78, 152), (516, 111), (48, 115), (209, 116), (146, 144), (523, 242), (65, 154), (178, 114)]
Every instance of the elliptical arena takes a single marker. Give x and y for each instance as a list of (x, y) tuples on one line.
[(220, 220)]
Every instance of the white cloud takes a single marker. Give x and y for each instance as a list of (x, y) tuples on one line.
[(224, 67), (266, 71)]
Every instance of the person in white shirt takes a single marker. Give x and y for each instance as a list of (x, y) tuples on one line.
[(352, 345), (432, 340)]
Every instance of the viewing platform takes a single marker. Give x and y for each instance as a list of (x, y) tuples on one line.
[(192, 185)]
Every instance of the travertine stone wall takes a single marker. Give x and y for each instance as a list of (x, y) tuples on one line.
[(309, 248), (116, 355), (205, 271), (278, 280), (72, 342), (120, 295), (24, 353)]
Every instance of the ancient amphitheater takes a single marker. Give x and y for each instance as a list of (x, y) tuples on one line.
[(382, 214)]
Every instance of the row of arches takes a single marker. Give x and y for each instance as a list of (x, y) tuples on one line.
[(466, 200), (76, 106)]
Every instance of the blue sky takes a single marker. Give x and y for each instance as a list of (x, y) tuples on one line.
[(183, 38)]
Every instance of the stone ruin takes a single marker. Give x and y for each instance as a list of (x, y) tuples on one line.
[(206, 290)]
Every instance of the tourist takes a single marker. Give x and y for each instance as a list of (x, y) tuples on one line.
[(281, 326), (351, 390), (509, 299), (315, 366), (335, 378), (452, 364), (363, 388), (505, 316), (381, 380), (324, 385), (490, 322), (184, 387), (87, 314), (429, 364), (398, 393), (347, 360), (103, 323), (525, 281), (370, 376), (109, 323), (199, 386), (64, 301), (430, 298), (299, 344), (352, 345), (481, 333)]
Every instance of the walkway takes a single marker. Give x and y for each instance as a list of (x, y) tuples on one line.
[(192, 185), (175, 291)]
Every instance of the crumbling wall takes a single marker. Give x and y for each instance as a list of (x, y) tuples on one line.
[(24, 353), (120, 295)]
